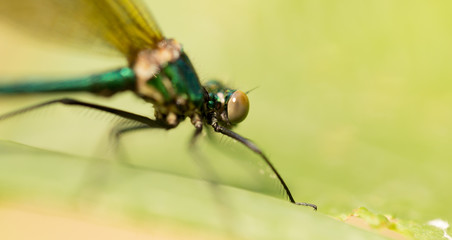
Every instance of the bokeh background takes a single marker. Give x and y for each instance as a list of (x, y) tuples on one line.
[(353, 106)]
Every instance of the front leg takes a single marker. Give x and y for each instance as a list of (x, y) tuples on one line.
[(250, 145)]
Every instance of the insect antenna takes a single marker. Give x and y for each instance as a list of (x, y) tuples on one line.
[(252, 89)]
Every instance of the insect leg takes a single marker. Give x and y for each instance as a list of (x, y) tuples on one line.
[(250, 145), (68, 101)]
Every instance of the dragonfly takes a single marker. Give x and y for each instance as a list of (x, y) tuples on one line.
[(159, 70)]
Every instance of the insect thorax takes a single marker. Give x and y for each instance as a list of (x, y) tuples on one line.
[(166, 78)]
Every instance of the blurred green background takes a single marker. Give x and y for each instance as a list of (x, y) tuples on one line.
[(353, 105)]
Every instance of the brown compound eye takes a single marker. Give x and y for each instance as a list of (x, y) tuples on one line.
[(238, 107)]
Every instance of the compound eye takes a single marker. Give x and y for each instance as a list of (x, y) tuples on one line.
[(238, 107)]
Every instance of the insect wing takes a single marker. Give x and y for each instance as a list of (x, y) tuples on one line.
[(120, 25)]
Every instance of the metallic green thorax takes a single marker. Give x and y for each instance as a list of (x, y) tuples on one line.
[(177, 81)]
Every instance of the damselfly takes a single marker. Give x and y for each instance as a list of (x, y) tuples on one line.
[(159, 70)]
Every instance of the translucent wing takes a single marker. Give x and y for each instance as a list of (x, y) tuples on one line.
[(122, 25)]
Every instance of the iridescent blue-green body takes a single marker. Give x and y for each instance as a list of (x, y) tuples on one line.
[(159, 70), (184, 81)]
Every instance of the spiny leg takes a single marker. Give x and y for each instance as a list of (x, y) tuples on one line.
[(123, 115), (257, 175), (250, 145), (69, 101), (142, 121)]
